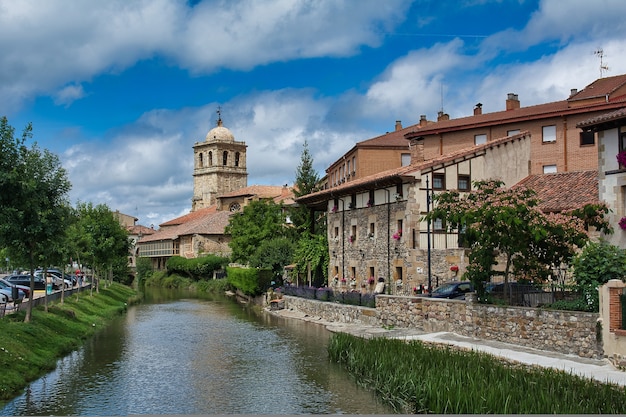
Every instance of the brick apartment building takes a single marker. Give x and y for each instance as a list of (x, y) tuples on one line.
[(558, 145)]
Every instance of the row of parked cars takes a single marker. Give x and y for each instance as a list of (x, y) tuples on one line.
[(17, 286), (457, 290)]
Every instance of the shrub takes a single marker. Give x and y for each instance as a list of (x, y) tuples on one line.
[(597, 263), (250, 281)]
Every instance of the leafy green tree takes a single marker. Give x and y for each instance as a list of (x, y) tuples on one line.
[(311, 259), (306, 183), (99, 240), (598, 263), (507, 222), (259, 221), (273, 254), (34, 208)]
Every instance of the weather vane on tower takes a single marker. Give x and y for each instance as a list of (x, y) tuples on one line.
[(219, 115)]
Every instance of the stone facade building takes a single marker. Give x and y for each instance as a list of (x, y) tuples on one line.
[(375, 223)]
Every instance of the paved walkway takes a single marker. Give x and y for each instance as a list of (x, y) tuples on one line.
[(598, 369)]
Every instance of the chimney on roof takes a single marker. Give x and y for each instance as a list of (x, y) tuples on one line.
[(512, 102), (478, 109), (423, 120), (416, 145), (442, 116), (398, 125), (573, 92)]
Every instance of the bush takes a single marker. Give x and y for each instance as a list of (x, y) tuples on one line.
[(597, 263), (250, 281), (196, 268)]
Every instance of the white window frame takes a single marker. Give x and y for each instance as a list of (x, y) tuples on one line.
[(548, 134), (549, 169), (480, 139)]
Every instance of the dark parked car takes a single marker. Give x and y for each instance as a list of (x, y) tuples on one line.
[(24, 279), (453, 290), (6, 285)]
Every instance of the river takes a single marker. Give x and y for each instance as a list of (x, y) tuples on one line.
[(198, 355)]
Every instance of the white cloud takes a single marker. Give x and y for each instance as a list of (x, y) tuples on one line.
[(85, 39), (67, 95)]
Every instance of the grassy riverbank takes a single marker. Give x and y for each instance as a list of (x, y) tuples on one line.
[(30, 350), (418, 378)]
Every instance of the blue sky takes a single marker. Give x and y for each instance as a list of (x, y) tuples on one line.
[(121, 90)]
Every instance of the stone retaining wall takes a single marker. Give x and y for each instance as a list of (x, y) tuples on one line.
[(567, 332)]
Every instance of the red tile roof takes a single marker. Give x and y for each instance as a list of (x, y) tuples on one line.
[(604, 118), (208, 223), (600, 88), (564, 190), (262, 191), (190, 216)]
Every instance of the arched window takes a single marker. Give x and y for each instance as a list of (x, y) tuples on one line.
[(210, 158), (200, 160), (236, 159), (225, 158)]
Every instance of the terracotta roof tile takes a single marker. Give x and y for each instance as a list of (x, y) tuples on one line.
[(564, 190), (603, 118), (190, 216), (600, 88), (262, 191), (209, 223)]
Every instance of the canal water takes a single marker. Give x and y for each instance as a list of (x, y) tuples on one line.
[(187, 355)]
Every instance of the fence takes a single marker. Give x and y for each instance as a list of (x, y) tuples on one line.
[(6, 308), (328, 294)]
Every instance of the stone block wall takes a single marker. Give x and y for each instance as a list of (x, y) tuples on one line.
[(560, 331)]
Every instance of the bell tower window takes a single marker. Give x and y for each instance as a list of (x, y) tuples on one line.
[(210, 158), (225, 158), (236, 159), (200, 160)]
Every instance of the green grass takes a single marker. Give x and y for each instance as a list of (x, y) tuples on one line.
[(30, 350), (414, 377)]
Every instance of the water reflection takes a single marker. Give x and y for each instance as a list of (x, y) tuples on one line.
[(173, 355)]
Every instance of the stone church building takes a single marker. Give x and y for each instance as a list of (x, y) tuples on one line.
[(220, 188)]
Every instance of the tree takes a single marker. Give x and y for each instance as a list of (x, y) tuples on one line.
[(273, 254), (306, 183), (597, 264), (259, 221), (494, 220), (98, 239), (34, 210), (311, 258)]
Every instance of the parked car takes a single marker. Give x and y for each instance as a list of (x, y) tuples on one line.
[(453, 290), (4, 284), (57, 278), (24, 279), (7, 295)]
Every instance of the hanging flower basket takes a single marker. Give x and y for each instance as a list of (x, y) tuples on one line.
[(454, 268), (334, 209), (621, 158), (622, 223), (397, 235)]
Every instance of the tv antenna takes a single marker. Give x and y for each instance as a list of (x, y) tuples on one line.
[(603, 67)]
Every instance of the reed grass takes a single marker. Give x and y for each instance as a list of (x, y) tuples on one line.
[(414, 377)]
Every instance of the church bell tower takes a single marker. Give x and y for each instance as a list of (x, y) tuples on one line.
[(219, 166)]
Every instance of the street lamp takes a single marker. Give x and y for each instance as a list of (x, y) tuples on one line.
[(430, 289)]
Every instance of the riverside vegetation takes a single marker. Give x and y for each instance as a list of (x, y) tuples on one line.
[(30, 350), (414, 377)]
